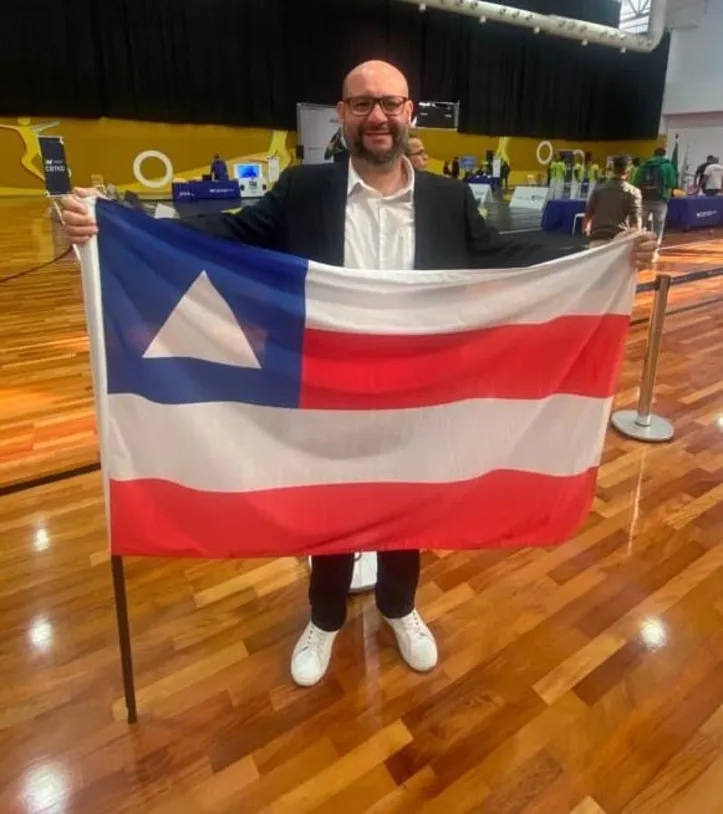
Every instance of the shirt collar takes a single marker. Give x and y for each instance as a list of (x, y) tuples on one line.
[(355, 182)]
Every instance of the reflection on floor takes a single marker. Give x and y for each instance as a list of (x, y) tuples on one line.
[(586, 679)]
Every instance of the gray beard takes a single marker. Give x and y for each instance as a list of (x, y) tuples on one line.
[(383, 159)]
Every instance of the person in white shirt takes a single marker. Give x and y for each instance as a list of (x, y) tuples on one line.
[(713, 178), (373, 211)]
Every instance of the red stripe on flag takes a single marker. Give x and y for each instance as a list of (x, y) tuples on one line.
[(497, 510), (577, 355)]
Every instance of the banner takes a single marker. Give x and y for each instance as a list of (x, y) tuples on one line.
[(255, 404), (529, 198), (57, 176), (317, 132)]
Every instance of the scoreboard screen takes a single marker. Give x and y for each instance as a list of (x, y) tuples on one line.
[(438, 115)]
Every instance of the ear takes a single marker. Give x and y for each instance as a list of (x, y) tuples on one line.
[(340, 111), (410, 109)]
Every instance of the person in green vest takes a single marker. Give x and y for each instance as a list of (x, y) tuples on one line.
[(578, 173), (592, 174), (557, 176)]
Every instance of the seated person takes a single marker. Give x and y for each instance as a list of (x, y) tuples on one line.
[(614, 206), (219, 170)]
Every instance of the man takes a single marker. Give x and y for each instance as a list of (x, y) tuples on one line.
[(416, 153), (700, 171), (614, 206), (592, 174), (372, 212), (219, 170), (713, 178), (656, 179), (578, 173), (558, 171)]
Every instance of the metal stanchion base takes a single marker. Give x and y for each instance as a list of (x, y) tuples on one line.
[(364, 577), (626, 423)]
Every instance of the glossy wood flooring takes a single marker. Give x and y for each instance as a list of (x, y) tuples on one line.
[(584, 680)]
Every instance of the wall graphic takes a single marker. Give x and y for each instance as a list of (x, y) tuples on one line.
[(146, 157)]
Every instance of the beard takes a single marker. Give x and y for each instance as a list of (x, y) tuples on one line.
[(380, 158)]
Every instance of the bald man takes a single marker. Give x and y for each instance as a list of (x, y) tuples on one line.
[(416, 153), (373, 211)]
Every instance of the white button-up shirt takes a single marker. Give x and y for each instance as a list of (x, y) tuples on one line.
[(379, 230)]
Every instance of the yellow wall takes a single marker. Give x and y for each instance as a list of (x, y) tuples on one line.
[(108, 147), (522, 152)]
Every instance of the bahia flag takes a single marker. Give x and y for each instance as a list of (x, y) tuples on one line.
[(255, 404)]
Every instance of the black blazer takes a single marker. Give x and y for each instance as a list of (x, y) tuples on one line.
[(304, 215)]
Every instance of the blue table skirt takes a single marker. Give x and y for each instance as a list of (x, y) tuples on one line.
[(696, 212), (205, 190), (559, 214)]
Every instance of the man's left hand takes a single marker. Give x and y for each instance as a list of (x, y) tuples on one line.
[(646, 247)]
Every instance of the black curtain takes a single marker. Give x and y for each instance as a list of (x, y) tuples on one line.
[(248, 62)]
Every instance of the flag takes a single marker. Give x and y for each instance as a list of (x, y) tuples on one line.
[(256, 404), (674, 159)]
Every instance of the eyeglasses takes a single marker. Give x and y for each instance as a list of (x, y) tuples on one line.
[(363, 105)]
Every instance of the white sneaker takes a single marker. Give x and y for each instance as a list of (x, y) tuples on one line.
[(415, 640), (311, 655)]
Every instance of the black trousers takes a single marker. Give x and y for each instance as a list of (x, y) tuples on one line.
[(397, 580)]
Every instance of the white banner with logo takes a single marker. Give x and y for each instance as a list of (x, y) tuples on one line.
[(481, 193), (529, 198), (316, 126)]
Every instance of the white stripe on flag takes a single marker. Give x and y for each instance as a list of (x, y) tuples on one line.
[(600, 281), (231, 447)]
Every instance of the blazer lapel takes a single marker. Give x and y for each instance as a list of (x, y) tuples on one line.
[(333, 215), (424, 227)]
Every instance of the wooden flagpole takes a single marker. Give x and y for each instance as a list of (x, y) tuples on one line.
[(124, 637), (90, 269)]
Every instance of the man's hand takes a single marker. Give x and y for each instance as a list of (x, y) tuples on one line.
[(646, 247), (80, 225)]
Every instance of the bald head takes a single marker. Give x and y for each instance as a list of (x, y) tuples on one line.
[(375, 74), (375, 113)]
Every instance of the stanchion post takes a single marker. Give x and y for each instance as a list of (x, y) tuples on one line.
[(124, 637), (642, 424)]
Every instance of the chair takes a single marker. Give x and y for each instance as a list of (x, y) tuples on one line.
[(580, 216)]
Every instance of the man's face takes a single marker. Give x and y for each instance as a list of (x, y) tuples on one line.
[(375, 115), (417, 154)]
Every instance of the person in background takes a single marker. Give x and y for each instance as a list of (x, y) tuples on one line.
[(505, 170), (656, 179), (558, 171), (454, 169), (712, 178), (219, 170), (592, 174), (614, 206), (416, 153), (700, 171), (578, 173)]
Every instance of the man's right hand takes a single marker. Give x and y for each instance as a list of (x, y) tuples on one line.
[(79, 224)]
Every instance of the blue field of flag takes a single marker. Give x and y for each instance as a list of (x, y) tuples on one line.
[(190, 318)]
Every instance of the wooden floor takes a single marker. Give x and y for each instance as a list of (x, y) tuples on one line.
[(587, 679)]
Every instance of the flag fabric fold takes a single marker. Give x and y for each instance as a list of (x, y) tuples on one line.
[(256, 404)]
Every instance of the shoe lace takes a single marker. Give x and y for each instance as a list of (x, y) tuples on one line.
[(313, 639), (412, 624)]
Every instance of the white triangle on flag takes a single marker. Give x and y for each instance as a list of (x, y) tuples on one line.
[(203, 326)]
